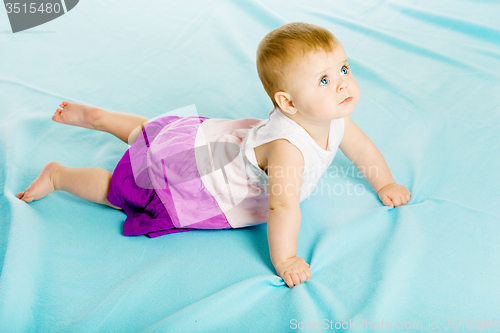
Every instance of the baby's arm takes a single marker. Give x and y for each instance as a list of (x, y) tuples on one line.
[(285, 167), (363, 153)]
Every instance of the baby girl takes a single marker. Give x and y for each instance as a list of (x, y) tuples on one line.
[(187, 173)]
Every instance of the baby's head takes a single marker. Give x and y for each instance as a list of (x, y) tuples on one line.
[(291, 53)]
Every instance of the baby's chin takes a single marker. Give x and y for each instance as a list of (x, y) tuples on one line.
[(344, 112)]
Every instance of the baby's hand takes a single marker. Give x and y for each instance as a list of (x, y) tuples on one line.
[(293, 271), (394, 195)]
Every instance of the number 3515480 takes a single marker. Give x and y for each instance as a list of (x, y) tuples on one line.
[(33, 8)]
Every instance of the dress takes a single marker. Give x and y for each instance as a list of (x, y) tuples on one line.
[(187, 173)]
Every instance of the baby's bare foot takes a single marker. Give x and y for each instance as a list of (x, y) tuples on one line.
[(42, 185), (79, 115)]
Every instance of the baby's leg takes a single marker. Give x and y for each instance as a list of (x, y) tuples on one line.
[(87, 183), (119, 124)]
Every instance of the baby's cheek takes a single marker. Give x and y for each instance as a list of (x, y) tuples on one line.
[(357, 90)]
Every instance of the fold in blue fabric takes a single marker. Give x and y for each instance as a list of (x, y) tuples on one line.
[(429, 76)]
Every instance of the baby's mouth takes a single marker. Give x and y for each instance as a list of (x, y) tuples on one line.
[(347, 100)]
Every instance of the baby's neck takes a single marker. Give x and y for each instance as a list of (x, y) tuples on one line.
[(319, 131)]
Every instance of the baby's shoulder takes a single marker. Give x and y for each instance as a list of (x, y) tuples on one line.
[(279, 152), (284, 153)]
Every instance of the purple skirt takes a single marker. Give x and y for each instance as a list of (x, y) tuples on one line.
[(131, 185)]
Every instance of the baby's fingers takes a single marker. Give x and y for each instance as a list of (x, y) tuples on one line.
[(303, 275), (288, 280), (296, 277), (386, 201), (396, 199), (405, 197), (308, 273)]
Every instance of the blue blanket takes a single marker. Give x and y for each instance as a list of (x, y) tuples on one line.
[(429, 76)]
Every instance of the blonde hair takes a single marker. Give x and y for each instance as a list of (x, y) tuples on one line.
[(282, 48)]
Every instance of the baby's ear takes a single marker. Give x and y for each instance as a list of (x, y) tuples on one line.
[(284, 101)]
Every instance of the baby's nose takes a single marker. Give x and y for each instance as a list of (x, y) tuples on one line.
[(341, 86)]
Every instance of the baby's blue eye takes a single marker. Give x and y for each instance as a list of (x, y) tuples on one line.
[(344, 70), (324, 80)]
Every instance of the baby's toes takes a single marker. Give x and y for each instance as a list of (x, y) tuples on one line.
[(27, 199), (57, 115), (22, 196)]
